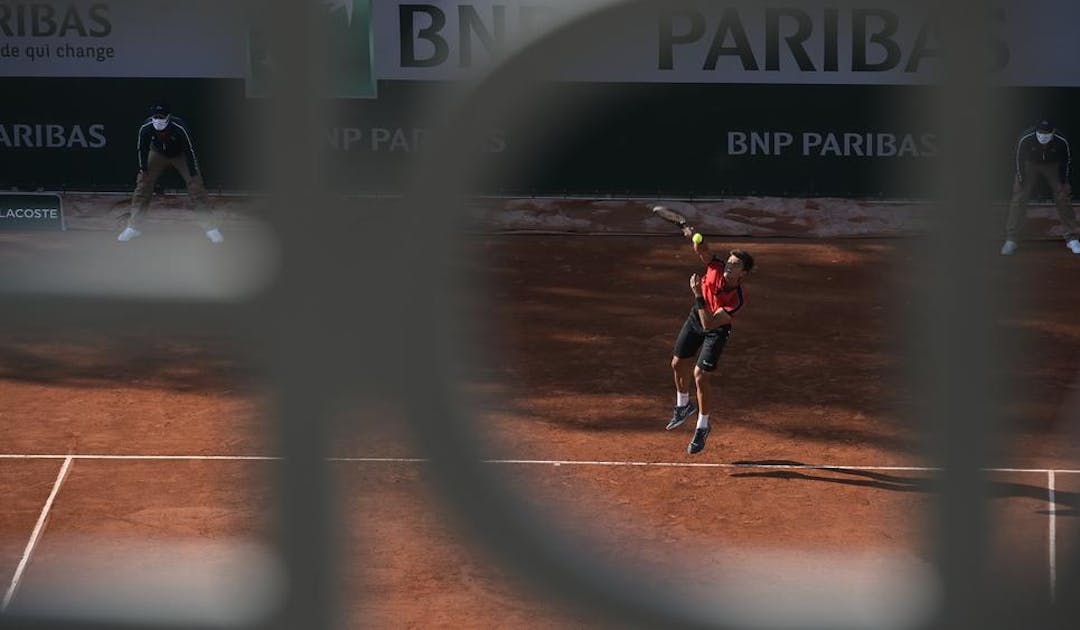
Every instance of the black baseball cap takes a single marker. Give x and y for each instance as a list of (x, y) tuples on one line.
[(1044, 126), (159, 108)]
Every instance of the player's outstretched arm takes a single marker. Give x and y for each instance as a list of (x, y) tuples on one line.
[(700, 247)]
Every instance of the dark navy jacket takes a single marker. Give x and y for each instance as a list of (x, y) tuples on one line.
[(1028, 150), (171, 142)]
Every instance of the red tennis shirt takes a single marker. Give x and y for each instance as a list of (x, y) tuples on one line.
[(718, 295)]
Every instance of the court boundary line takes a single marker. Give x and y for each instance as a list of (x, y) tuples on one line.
[(35, 535), (1051, 474), (1052, 525), (535, 462), (731, 465)]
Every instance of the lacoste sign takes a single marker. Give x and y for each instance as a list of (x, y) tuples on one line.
[(31, 211)]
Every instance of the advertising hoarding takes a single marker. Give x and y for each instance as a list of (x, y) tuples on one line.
[(711, 86)]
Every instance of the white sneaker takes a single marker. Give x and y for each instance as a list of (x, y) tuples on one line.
[(1009, 248), (128, 234), (1074, 246), (215, 235)]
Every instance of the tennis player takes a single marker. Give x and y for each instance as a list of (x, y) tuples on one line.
[(718, 295)]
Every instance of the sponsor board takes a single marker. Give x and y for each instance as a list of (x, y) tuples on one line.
[(881, 42), (831, 143), (52, 135), (31, 211), (645, 139), (121, 38)]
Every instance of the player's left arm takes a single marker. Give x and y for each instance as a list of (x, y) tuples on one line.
[(708, 320)]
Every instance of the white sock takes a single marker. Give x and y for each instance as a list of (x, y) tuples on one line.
[(681, 399), (702, 421)]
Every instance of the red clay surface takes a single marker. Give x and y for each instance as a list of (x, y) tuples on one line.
[(583, 331)]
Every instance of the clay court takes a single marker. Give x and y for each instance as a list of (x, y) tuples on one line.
[(142, 452)]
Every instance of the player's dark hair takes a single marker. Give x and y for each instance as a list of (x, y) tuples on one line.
[(746, 259)]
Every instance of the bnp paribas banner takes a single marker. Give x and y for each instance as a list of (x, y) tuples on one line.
[(120, 38), (204, 39), (882, 42)]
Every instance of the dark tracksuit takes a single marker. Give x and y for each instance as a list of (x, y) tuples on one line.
[(157, 151), (1036, 161)]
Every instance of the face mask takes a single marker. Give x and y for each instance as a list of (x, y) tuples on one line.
[(161, 123), (1043, 138)]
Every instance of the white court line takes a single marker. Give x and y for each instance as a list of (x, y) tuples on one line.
[(542, 462), (35, 535), (537, 462), (1053, 537), (227, 458), (566, 462)]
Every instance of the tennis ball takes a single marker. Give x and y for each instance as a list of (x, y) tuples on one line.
[(698, 238)]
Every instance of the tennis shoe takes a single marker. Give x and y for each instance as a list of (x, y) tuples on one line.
[(128, 234), (215, 235), (1074, 246), (681, 414), (698, 443), (1009, 248)]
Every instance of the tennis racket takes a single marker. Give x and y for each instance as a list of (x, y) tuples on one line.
[(670, 216)]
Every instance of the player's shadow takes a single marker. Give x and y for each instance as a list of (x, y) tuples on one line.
[(1066, 503)]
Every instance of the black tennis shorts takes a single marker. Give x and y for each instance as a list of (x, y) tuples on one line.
[(693, 338)]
